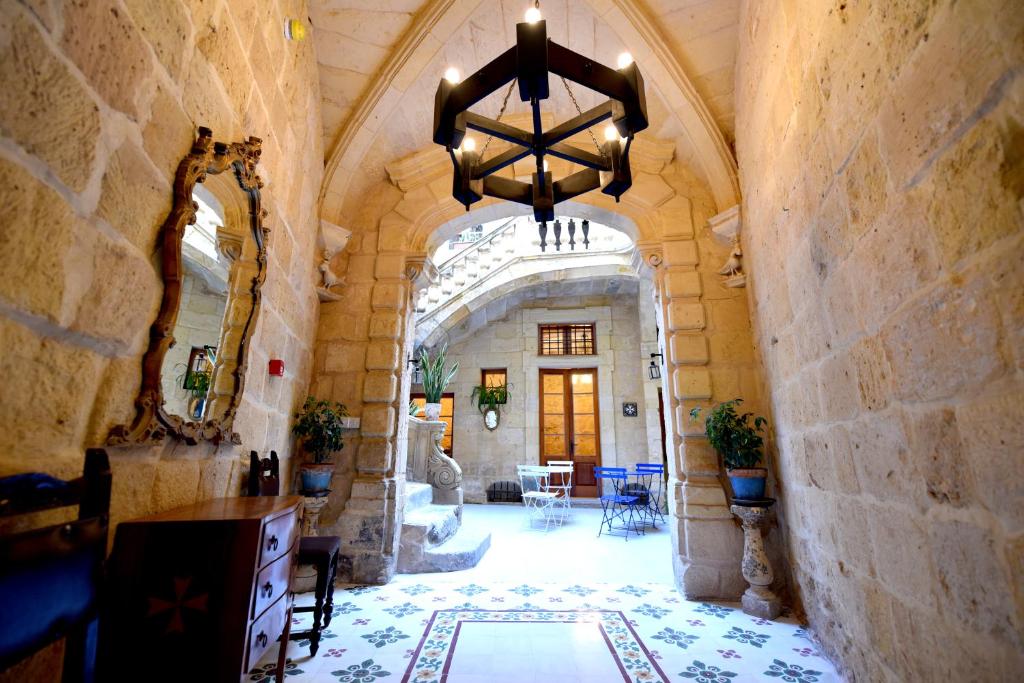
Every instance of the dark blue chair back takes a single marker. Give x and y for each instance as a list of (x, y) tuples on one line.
[(50, 578)]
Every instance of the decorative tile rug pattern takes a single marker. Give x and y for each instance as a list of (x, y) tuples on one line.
[(437, 632)]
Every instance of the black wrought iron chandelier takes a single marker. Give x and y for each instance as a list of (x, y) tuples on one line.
[(528, 64)]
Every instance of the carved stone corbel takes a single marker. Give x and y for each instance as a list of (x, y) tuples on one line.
[(421, 273), (650, 255), (726, 228)]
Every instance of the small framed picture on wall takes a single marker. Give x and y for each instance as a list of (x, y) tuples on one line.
[(629, 409)]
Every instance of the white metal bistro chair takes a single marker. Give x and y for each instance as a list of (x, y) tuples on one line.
[(560, 482), (540, 503)]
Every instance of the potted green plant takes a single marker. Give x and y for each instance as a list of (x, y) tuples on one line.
[(197, 384), (319, 424), (487, 401), (435, 379), (735, 436)]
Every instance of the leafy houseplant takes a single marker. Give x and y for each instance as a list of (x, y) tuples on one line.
[(735, 436), (435, 379), (491, 397), (319, 424), (487, 401)]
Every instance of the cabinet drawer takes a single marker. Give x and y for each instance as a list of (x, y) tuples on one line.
[(271, 583), (266, 630), (278, 535)]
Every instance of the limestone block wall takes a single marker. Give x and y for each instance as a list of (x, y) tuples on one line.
[(511, 343), (101, 100), (880, 156)]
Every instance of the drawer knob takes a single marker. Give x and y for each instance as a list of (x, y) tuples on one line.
[(267, 590), (261, 639), (272, 543)]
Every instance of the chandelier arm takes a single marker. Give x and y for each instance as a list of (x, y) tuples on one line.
[(486, 80), (576, 184), (538, 149), (578, 156), (509, 190), (585, 120), (502, 131), (500, 161), (586, 72), (625, 85), (452, 100)]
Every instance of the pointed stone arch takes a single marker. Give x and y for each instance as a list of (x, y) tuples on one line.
[(437, 19)]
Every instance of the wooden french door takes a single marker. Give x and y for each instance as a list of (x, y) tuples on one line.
[(570, 427)]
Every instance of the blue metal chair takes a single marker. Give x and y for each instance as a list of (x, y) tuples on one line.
[(652, 475), (615, 506)]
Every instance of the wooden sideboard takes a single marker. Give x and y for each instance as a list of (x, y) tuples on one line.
[(199, 593)]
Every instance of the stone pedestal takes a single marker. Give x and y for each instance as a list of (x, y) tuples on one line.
[(311, 507), (758, 600)]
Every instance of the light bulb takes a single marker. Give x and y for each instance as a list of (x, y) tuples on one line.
[(532, 15), (625, 59), (452, 75), (545, 165), (610, 133), (468, 144)]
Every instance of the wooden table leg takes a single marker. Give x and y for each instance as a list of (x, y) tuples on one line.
[(283, 651)]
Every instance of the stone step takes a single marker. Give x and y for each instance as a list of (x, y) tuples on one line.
[(430, 525), (462, 551), (417, 495)]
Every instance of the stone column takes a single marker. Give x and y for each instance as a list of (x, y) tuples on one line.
[(706, 543), (372, 516)]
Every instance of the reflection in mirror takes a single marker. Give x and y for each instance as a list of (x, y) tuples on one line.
[(213, 258), (189, 365)]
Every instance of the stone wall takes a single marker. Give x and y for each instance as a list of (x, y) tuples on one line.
[(880, 152), (486, 456), (102, 98)]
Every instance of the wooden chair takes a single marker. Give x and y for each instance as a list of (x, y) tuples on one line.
[(50, 578), (321, 552)]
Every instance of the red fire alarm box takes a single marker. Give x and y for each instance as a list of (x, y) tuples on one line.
[(277, 367)]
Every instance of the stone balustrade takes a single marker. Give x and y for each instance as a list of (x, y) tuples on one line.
[(496, 253), (428, 463)]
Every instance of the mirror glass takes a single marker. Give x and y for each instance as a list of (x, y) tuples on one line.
[(491, 419), (189, 366)]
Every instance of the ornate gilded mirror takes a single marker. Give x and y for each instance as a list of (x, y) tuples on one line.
[(213, 257)]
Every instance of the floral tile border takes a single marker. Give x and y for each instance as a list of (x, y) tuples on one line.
[(433, 656)]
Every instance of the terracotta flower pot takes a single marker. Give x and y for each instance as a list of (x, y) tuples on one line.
[(749, 483)]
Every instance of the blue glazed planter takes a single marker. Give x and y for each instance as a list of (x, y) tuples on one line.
[(748, 484), (316, 478)]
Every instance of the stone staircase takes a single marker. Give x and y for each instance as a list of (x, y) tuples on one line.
[(433, 539)]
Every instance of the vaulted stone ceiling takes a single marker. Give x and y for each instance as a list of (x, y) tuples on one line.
[(380, 62)]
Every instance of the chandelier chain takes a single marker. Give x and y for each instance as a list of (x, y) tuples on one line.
[(501, 113), (580, 111)]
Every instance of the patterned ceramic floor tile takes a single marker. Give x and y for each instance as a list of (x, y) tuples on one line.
[(463, 632)]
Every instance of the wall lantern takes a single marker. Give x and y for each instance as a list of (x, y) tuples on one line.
[(654, 369), (528, 63), (417, 372)]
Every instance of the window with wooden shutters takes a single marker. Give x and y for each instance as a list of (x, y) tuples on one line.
[(566, 340)]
